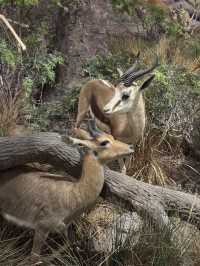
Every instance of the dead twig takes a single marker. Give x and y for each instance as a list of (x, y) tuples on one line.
[(8, 25)]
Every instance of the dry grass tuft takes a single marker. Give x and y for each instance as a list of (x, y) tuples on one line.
[(170, 53), (154, 152), (9, 111), (165, 49), (10, 103)]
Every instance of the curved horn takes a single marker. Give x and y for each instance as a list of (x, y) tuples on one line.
[(93, 130), (132, 69), (133, 76)]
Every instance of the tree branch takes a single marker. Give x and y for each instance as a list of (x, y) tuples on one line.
[(5, 21)]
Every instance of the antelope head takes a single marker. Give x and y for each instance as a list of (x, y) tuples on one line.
[(128, 91), (103, 145)]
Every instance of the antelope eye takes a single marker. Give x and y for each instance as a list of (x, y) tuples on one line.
[(104, 143), (125, 96)]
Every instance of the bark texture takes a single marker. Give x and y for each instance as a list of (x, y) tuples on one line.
[(157, 202)]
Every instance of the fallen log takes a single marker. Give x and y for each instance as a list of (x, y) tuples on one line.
[(158, 202)]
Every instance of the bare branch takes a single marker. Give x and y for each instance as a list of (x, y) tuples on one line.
[(5, 21)]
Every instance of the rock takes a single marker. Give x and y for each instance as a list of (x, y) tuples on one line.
[(112, 228)]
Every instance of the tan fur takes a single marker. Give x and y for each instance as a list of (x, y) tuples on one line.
[(47, 202), (127, 127)]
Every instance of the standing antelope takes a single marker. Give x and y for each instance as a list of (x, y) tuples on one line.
[(47, 203), (119, 109)]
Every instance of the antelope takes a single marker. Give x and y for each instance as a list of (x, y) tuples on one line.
[(120, 109), (47, 203)]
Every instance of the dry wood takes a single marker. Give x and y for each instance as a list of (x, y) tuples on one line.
[(5, 21), (157, 202)]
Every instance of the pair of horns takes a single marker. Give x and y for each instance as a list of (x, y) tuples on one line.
[(133, 73)]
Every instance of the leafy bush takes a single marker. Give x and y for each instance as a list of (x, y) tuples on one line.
[(20, 3), (173, 29), (174, 96), (27, 2), (40, 117), (8, 56), (42, 68), (45, 116), (106, 67), (157, 15), (71, 100), (125, 5), (36, 75), (36, 72)]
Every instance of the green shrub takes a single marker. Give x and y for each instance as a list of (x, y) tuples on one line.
[(125, 5), (20, 3), (174, 96), (43, 68), (8, 56), (44, 116), (39, 117), (71, 100), (156, 15), (106, 67), (173, 29)]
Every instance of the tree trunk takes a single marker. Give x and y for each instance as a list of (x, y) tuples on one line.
[(157, 202)]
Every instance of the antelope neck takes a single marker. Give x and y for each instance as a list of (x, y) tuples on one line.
[(92, 178)]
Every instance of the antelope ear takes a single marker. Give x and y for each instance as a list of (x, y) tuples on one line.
[(82, 145), (79, 143), (72, 141), (147, 82), (69, 140)]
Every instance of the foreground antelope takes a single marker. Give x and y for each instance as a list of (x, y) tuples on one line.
[(47, 203), (119, 109)]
